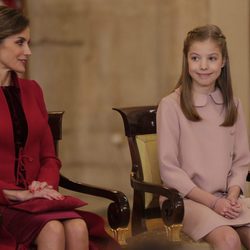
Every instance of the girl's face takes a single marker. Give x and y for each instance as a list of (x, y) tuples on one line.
[(14, 52), (204, 64)]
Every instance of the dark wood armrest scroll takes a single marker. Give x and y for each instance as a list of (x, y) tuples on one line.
[(173, 207), (118, 210)]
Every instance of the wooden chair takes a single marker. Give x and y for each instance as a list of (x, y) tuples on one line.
[(140, 130), (118, 211)]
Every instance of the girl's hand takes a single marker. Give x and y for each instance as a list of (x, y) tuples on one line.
[(48, 193), (234, 201), (236, 208), (38, 186), (228, 209)]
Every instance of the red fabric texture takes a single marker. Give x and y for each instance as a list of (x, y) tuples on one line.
[(40, 160), (40, 205), (98, 237), (10, 3)]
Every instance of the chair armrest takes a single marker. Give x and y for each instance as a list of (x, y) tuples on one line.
[(172, 210), (118, 210)]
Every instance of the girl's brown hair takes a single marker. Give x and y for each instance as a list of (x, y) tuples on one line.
[(223, 82), (12, 21)]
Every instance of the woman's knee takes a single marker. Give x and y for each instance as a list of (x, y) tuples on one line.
[(54, 228), (77, 227), (51, 233)]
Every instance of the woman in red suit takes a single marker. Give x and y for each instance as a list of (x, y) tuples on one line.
[(29, 168)]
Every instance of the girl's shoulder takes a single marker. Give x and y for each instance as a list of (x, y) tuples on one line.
[(172, 99)]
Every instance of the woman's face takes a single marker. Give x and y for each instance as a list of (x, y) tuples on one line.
[(204, 64), (14, 52)]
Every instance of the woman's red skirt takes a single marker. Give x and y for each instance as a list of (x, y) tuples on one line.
[(19, 229)]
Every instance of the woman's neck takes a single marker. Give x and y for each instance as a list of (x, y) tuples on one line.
[(5, 78)]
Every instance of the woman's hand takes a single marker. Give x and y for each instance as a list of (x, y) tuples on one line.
[(17, 195), (24, 195), (48, 193), (38, 186), (230, 209)]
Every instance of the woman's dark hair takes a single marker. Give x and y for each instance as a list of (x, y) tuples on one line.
[(223, 82), (12, 22)]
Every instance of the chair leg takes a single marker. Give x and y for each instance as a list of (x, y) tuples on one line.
[(119, 235), (138, 224), (174, 232)]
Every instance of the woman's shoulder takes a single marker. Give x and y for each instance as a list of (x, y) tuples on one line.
[(24, 81), (27, 84)]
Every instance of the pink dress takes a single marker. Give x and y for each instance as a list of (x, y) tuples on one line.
[(202, 154)]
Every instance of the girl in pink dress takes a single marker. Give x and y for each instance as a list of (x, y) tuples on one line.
[(203, 144), (29, 168)]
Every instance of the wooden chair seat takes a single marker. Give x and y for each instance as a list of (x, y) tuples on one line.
[(140, 130)]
